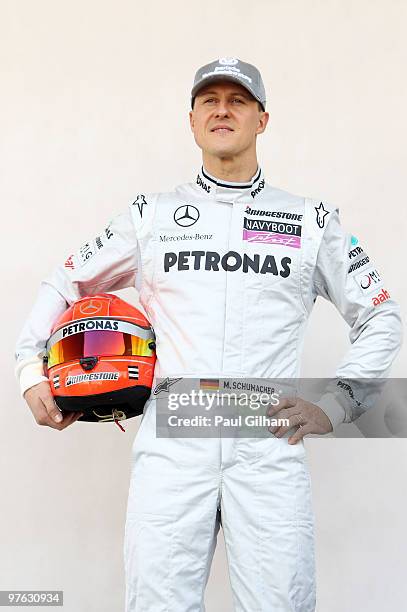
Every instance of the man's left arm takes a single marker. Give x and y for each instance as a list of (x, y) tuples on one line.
[(346, 276)]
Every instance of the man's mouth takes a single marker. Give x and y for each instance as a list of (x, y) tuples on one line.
[(221, 129)]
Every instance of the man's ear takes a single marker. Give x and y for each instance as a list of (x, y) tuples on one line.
[(191, 120), (263, 121)]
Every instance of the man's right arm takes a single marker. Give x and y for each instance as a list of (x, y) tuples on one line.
[(107, 263)]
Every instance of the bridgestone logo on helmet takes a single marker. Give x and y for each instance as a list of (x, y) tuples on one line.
[(74, 380), (94, 324)]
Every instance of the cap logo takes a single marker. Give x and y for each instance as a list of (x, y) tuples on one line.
[(228, 61), (219, 70)]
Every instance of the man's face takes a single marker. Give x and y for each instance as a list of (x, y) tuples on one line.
[(226, 119)]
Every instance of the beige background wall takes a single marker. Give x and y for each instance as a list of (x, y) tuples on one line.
[(94, 101)]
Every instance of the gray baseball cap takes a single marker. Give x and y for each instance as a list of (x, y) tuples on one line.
[(231, 69)]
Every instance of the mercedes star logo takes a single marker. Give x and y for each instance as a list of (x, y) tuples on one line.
[(228, 61), (186, 215), (91, 308)]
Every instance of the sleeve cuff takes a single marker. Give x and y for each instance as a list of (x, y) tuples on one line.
[(332, 408), (30, 372)]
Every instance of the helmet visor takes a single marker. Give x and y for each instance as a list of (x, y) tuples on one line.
[(99, 343)]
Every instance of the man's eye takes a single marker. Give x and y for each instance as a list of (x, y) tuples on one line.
[(209, 100), (238, 100)]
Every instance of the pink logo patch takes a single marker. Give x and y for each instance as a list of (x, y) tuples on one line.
[(272, 238)]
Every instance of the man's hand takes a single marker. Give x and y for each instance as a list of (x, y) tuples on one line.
[(307, 417), (46, 412)]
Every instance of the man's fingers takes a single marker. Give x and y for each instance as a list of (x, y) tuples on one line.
[(54, 417), (50, 406), (68, 419), (305, 416), (46, 413), (286, 413), (285, 402), (300, 433), (294, 420)]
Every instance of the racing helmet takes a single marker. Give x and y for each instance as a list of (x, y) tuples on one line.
[(100, 359)]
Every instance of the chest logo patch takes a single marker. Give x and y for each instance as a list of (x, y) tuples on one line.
[(186, 215), (272, 232)]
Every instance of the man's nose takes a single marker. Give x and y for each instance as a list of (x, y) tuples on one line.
[(222, 109)]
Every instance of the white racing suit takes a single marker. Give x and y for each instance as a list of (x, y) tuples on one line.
[(228, 275)]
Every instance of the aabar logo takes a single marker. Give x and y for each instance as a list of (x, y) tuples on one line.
[(381, 297)]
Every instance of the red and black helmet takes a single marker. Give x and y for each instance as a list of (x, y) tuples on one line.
[(100, 359)]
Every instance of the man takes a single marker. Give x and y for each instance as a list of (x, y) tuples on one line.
[(228, 269)]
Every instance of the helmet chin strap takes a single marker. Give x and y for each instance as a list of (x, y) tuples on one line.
[(116, 416), (117, 422)]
